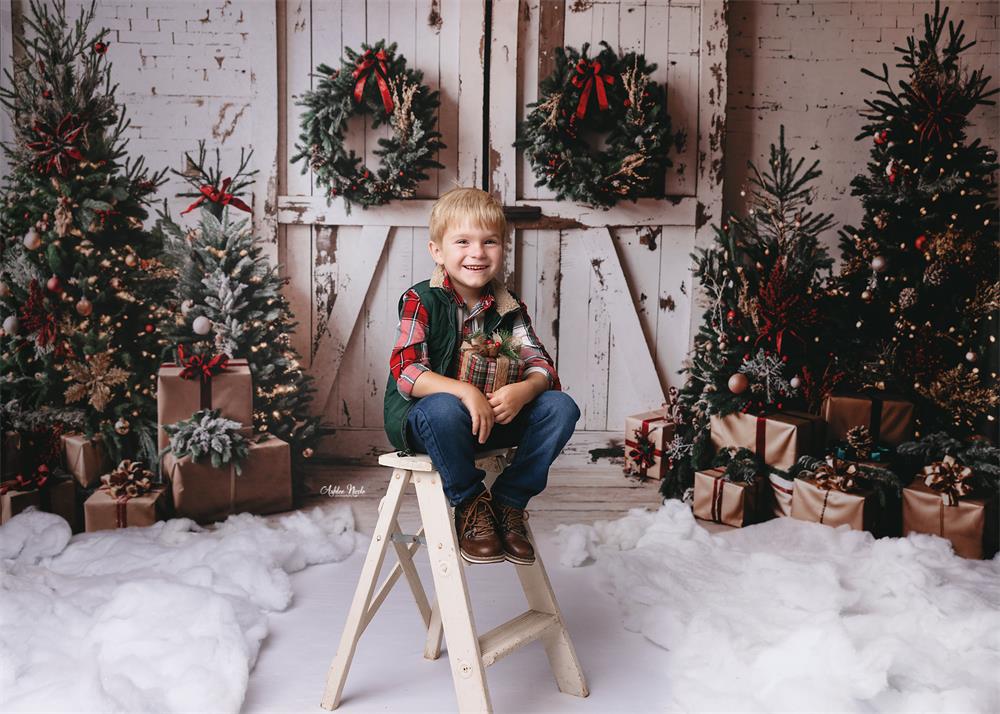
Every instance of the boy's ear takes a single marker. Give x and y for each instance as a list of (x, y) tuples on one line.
[(435, 250)]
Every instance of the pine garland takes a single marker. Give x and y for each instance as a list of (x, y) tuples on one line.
[(376, 82), (605, 94)]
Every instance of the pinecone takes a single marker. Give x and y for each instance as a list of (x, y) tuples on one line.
[(935, 274), (907, 298), (859, 438), (927, 74)]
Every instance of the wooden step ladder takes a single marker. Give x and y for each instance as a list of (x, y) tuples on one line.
[(451, 613)]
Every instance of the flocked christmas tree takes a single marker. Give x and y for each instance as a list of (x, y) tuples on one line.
[(921, 271), (82, 291), (231, 303), (761, 344)]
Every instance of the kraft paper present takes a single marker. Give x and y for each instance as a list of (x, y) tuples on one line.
[(488, 373), (734, 503), (57, 497), (230, 391), (655, 430), (781, 490), (85, 458), (856, 509), (970, 524), (780, 438), (889, 419), (207, 494), (102, 511), (13, 461)]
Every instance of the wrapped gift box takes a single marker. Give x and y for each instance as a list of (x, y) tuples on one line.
[(208, 494), (857, 508), (970, 524), (177, 398), (780, 438), (781, 490), (651, 431), (85, 458), (734, 503), (102, 511), (889, 419), (58, 496), (488, 373)]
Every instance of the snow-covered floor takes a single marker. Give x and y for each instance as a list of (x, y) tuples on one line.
[(782, 616)]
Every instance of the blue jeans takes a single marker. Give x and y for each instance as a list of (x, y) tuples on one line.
[(441, 426)]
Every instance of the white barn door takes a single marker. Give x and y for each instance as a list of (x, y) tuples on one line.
[(610, 291)]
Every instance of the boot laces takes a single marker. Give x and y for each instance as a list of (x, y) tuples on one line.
[(478, 519), (512, 519)]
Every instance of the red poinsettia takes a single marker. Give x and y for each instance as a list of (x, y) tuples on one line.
[(784, 306), (56, 148), (36, 316)]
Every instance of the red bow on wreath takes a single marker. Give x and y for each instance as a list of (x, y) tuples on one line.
[(57, 145), (365, 64), (218, 195), (588, 75), (22, 483), (197, 367)]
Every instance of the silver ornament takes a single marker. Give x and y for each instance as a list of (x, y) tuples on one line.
[(201, 325), (11, 325), (32, 239)]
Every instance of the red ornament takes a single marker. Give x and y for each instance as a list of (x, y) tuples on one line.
[(54, 284), (627, 102), (731, 316), (100, 48), (149, 328), (920, 243), (881, 137)]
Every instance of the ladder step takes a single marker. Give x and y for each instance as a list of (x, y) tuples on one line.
[(513, 634)]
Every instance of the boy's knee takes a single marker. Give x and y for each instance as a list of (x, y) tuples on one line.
[(562, 406), (443, 409)]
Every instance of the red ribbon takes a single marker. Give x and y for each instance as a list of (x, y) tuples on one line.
[(588, 75), (761, 444), (718, 489), (365, 64), (218, 195), (197, 367), (26, 483)]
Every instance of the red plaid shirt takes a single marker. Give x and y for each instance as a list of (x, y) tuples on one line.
[(410, 355)]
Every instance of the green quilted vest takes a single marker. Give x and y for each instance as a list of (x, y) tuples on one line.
[(443, 332)]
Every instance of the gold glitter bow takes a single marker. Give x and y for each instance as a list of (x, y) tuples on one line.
[(129, 480), (949, 478), (836, 475)]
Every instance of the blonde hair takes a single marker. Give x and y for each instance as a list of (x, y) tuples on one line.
[(467, 203)]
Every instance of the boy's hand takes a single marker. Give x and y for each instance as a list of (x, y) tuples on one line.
[(480, 411), (509, 400)]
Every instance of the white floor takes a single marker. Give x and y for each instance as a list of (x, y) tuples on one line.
[(389, 673)]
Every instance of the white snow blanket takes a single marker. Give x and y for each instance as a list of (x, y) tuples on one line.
[(168, 618), (794, 616)]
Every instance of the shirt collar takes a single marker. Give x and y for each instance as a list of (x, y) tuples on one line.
[(485, 300)]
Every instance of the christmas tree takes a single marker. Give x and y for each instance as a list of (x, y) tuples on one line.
[(231, 303), (761, 344), (920, 273), (82, 291)]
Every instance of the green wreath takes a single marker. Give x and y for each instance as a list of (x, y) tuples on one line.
[(605, 94), (375, 82)]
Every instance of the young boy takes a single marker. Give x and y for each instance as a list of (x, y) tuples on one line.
[(428, 410)]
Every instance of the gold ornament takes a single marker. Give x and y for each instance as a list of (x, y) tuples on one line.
[(131, 260), (94, 380), (122, 426), (738, 383)]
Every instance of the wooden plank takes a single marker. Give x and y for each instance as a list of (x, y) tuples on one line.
[(428, 23), (449, 59), (573, 317), (266, 115), (353, 30), (640, 367), (514, 634), (346, 405), (528, 16), (682, 95), (672, 307), (303, 210), (502, 117), (632, 26), (711, 124), (355, 276), (471, 96), (547, 278), (376, 28), (598, 345), (578, 24)]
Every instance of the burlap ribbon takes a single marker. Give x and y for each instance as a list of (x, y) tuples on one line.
[(950, 479)]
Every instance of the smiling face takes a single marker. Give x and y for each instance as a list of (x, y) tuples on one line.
[(471, 254)]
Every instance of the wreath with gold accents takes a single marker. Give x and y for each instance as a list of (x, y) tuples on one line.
[(609, 94), (376, 82)]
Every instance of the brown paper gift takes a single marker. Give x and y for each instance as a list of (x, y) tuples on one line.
[(13, 461), (230, 391), (104, 512), (970, 524), (780, 438), (856, 509), (207, 494), (651, 430), (889, 419), (85, 458), (734, 503), (57, 497), (781, 490)]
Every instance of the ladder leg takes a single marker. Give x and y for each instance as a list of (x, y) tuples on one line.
[(432, 649), (405, 555), (358, 614), (467, 668), (558, 647)]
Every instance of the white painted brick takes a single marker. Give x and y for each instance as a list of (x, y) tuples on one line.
[(143, 38), (142, 24), (866, 7)]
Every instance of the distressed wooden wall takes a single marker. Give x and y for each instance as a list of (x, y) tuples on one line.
[(609, 291)]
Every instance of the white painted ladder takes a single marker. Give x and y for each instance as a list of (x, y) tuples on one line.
[(451, 613)]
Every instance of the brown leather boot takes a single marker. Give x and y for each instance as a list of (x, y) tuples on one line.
[(516, 546), (478, 540)]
